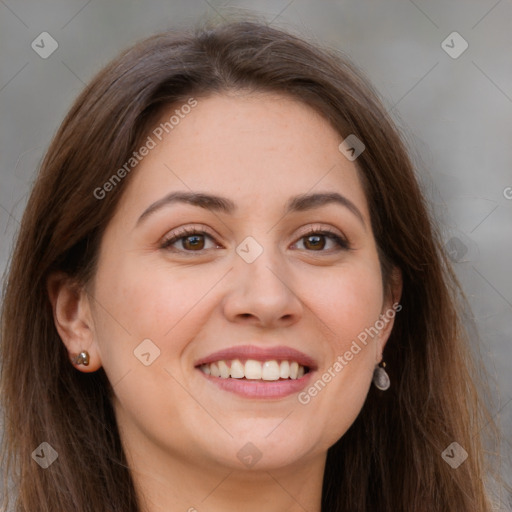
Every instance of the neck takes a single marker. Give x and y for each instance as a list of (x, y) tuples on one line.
[(166, 484)]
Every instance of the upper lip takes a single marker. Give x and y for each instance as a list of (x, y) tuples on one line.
[(279, 353)]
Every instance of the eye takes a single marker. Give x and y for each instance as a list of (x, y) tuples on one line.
[(192, 240), (316, 240)]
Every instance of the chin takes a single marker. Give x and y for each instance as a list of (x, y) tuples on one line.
[(255, 452)]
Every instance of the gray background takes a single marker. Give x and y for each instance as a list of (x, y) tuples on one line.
[(456, 114)]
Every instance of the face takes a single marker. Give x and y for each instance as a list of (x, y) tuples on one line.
[(253, 307)]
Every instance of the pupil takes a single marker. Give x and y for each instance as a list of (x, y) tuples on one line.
[(194, 241), (317, 241)]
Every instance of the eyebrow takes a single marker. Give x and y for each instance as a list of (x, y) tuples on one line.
[(216, 203)]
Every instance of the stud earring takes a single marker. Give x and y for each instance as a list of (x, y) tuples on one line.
[(82, 358), (381, 378)]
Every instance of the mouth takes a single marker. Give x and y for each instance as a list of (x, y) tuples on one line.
[(254, 372), (251, 369)]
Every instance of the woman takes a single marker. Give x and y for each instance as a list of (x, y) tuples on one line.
[(226, 245)]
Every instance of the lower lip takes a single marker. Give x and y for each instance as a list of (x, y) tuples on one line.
[(259, 388)]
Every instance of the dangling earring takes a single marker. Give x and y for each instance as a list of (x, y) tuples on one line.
[(82, 358), (381, 378)]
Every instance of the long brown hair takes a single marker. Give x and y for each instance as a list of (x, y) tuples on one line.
[(390, 459)]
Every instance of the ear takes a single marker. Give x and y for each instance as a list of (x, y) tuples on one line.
[(73, 319), (390, 308)]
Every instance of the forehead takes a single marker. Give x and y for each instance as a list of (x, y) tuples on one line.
[(250, 147)]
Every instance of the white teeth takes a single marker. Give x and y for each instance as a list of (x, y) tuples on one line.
[(294, 370), (223, 369), (271, 370), (237, 369), (214, 370), (252, 369), (284, 369)]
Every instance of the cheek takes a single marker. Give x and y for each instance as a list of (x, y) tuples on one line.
[(169, 307), (347, 300), (137, 301), (347, 304)]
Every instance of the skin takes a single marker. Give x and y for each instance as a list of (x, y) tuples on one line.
[(181, 433)]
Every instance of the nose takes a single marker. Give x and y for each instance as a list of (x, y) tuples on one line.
[(262, 293)]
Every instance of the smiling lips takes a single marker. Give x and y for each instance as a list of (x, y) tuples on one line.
[(254, 370), (250, 362)]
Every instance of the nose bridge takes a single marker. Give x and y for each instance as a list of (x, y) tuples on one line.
[(262, 289), (263, 271)]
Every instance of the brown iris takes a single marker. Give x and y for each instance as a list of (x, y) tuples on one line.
[(196, 242), (318, 241)]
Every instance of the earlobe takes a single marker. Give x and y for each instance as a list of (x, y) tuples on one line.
[(74, 322)]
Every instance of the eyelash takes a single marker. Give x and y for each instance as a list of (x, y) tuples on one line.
[(186, 232)]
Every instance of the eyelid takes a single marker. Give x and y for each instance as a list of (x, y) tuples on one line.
[(336, 236), (321, 227), (183, 231), (196, 229)]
